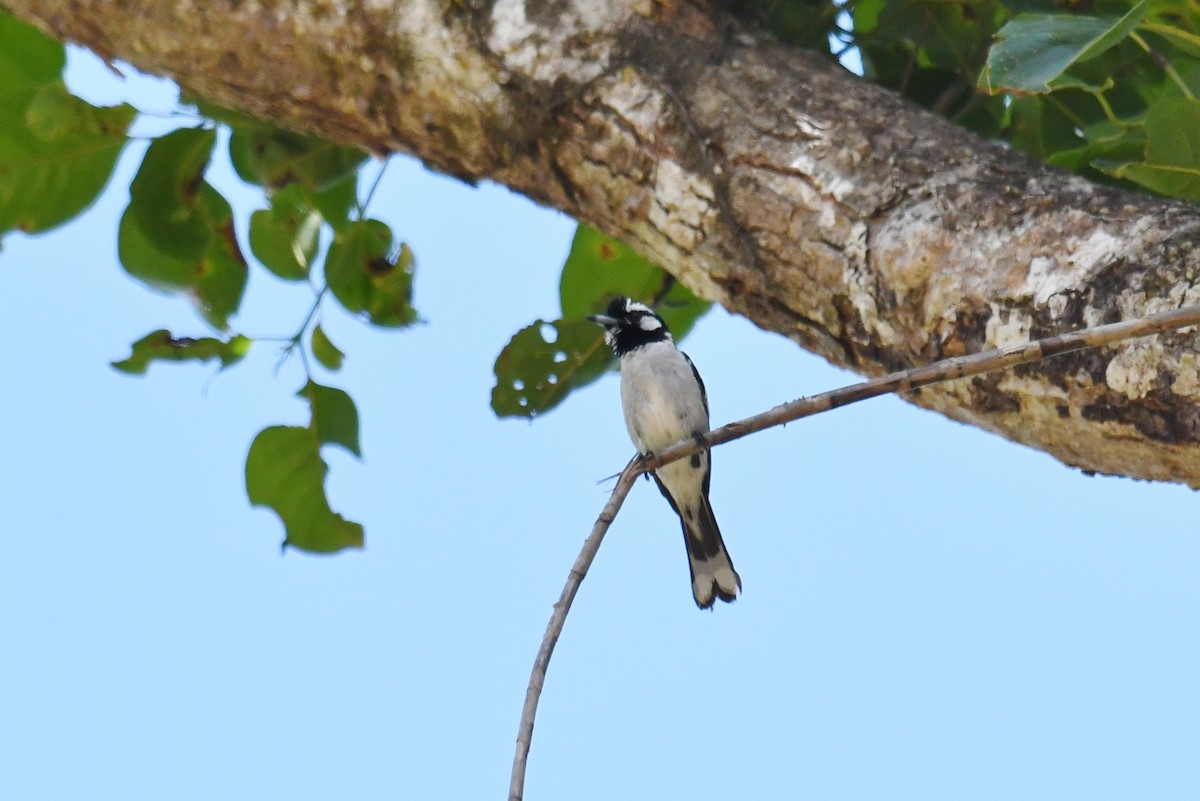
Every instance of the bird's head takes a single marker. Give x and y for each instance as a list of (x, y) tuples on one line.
[(629, 324)]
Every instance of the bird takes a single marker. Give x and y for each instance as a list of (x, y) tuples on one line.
[(664, 401)]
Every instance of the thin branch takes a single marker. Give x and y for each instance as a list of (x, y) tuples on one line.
[(295, 341), (559, 618), (903, 381), (936, 373), (362, 207), (1161, 60)]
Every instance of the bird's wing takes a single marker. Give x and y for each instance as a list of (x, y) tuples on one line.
[(699, 380), (704, 398)]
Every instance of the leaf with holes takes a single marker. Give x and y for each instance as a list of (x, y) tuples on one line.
[(544, 362), (285, 472), (162, 346), (1034, 50), (600, 268)]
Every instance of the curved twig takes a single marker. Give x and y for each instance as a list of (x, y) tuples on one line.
[(559, 618), (945, 370)]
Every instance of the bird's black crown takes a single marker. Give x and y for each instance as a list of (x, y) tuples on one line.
[(628, 325)]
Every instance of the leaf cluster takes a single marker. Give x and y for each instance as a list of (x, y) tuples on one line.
[(179, 235)]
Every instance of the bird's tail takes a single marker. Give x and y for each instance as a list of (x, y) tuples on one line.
[(713, 575)]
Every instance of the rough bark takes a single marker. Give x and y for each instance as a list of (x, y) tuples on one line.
[(814, 203)]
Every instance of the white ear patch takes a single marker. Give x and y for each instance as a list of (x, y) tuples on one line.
[(649, 322)]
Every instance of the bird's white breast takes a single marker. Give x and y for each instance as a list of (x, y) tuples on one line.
[(660, 396)]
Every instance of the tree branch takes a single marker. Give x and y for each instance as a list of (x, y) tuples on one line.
[(796, 194), (946, 370), (902, 381)]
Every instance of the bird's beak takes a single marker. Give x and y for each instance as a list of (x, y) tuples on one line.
[(603, 319)]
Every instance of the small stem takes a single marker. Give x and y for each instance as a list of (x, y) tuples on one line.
[(362, 207), (1108, 112), (297, 339), (1162, 61)]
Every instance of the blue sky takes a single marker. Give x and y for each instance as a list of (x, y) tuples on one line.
[(929, 612)]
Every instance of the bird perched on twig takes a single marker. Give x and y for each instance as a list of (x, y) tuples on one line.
[(664, 402)]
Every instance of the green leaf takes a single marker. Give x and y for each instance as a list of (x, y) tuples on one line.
[(1166, 179), (866, 17), (285, 237), (334, 416), (1105, 140), (285, 472), (28, 57), (1036, 49), (57, 153), (325, 351), (1040, 128), (222, 114), (177, 233), (336, 202), (165, 194), (272, 157), (221, 280), (1172, 163), (163, 346), (143, 261), (600, 268), (544, 362), (1173, 132), (215, 282), (1068, 81), (369, 276), (944, 34)]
